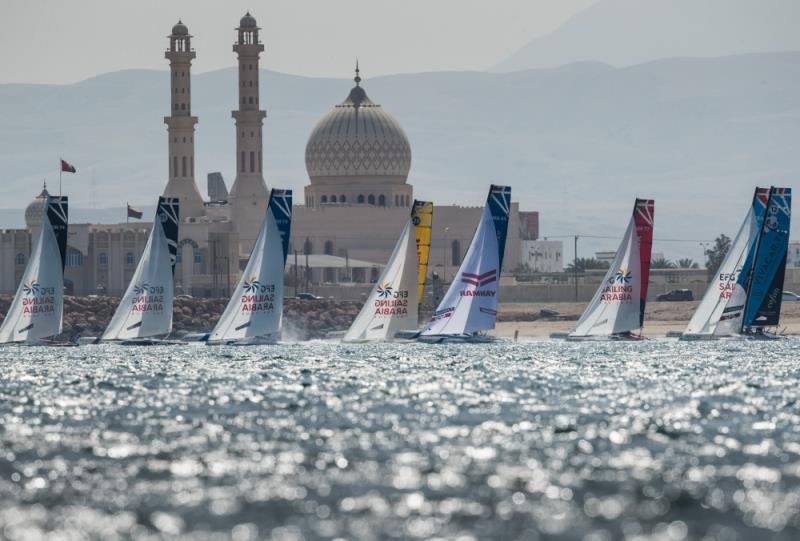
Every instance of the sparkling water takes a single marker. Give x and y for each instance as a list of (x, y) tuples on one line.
[(317, 440)]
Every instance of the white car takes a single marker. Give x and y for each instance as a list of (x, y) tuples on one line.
[(789, 296)]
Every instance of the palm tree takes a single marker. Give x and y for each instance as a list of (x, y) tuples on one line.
[(661, 263), (586, 263), (687, 263)]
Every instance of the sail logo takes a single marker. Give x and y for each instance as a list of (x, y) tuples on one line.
[(727, 283), (31, 288), (442, 314), (479, 280), (618, 287), (384, 290), (622, 276), (38, 299), (251, 285), (257, 297), (390, 301), (147, 298)]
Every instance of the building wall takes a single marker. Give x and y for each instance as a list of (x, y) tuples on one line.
[(793, 257), (542, 255)]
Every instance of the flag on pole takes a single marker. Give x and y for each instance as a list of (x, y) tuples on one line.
[(134, 213), (67, 168)]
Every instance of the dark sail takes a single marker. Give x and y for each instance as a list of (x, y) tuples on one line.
[(280, 203), (58, 215), (168, 213), (499, 202)]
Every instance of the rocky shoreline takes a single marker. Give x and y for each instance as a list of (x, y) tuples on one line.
[(303, 319)]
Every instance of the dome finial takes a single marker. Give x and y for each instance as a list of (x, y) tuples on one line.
[(358, 77)]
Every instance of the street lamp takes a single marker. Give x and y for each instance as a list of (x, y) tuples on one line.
[(444, 255)]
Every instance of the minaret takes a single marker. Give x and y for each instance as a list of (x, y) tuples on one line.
[(180, 124), (248, 196)]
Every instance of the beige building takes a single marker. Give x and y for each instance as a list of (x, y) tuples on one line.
[(358, 198)]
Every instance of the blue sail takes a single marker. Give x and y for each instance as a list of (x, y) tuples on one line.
[(499, 203), (766, 282)]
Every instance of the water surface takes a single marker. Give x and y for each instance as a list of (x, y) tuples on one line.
[(316, 440)]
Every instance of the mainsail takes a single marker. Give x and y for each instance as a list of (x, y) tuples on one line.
[(470, 304), (146, 307), (256, 307), (720, 311), (38, 306), (763, 306), (619, 303), (392, 306)]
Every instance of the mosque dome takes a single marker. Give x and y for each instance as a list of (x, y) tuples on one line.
[(34, 212), (248, 21), (358, 140), (180, 29)]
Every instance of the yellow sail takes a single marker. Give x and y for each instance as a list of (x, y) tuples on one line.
[(422, 218)]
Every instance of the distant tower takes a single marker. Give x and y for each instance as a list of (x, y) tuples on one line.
[(248, 196), (180, 124)]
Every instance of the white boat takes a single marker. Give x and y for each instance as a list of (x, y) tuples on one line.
[(254, 313), (720, 313), (145, 311), (617, 308), (392, 306), (37, 311), (469, 308)]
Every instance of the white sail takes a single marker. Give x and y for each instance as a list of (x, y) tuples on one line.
[(256, 308), (392, 304), (470, 304), (725, 297), (618, 304), (146, 307), (38, 306)]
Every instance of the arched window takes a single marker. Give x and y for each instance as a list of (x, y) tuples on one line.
[(241, 165), (307, 246), (360, 198), (381, 200), (342, 199), (252, 161), (371, 199), (20, 259), (328, 247), (456, 256), (103, 258), (323, 199), (174, 166), (333, 199), (396, 200), (198, 257), (130, 259), (183, 166), (74, 258)]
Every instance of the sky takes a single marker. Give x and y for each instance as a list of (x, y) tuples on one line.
[(65, 41)]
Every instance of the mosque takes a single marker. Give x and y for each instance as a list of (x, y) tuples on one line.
[(358, 197)]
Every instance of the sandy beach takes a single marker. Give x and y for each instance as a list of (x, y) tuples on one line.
[(660, 318)]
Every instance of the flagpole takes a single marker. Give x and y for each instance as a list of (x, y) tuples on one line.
[(60, 172)]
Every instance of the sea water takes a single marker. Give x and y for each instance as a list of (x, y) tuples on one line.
[(542, 440)]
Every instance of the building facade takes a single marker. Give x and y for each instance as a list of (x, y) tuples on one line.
[(357, 200)]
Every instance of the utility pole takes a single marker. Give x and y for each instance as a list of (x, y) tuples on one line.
[(575, 268), (296, 279), (444, 256)]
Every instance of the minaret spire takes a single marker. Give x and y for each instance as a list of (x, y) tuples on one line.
[(358, 77)]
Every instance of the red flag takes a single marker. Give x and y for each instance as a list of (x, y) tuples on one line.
[(67, 168), (134, 213)]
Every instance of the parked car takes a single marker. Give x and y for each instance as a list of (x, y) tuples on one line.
[(790, 296), (676, 295), (307, 297)]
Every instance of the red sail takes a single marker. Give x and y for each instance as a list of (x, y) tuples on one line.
[(643, 214)]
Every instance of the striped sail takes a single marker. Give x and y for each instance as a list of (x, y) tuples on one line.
[(470, 304), (393, 303), (618, 304), (38, 307), (146, 307), (256, 308)]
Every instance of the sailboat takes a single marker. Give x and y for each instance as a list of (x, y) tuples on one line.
[(393, 305), (617, 307), (720, 313), (255, 311), (37, 311), (469, 308), (762, 308), (145, 310)]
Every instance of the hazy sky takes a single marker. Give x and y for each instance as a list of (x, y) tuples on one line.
[(61, 41)]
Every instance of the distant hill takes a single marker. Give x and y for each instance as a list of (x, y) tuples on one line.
[(577, 143), (628, 32)]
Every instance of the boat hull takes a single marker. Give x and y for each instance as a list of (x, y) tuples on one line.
[(456, 339), (608, 338)]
